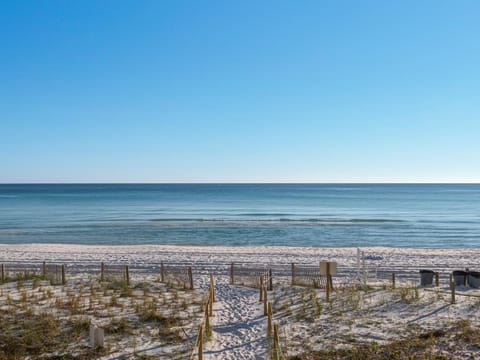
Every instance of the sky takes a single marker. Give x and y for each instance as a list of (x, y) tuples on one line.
[(239, 91)]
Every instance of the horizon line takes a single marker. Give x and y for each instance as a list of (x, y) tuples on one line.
[(249, 183)]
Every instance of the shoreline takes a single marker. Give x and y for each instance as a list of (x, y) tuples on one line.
[(239, 246)]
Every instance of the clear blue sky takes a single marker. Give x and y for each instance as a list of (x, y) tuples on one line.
[(240, 91)]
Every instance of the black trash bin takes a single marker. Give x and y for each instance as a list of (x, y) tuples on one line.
[(460, 277), (426, 277), (474, 279)]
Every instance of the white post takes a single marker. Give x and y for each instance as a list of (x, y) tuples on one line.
[(97, 336), (364, 269), (92, 336), (358, 265)]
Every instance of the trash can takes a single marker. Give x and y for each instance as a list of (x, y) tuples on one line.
[(460, 277), (426, 277), (474, 279)]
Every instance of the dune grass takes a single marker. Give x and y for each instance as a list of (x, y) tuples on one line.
[(39, 320), (434, 345)]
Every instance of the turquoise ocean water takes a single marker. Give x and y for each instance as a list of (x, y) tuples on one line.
[(407, 215)]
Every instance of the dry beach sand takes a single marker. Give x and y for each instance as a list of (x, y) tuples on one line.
[(306, 321)]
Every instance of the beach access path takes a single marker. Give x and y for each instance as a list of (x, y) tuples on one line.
[(239, 327)]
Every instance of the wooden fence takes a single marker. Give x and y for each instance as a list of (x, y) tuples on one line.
[(55, 273), (276, 352), (308, 275), (403, 275), (204, 328), (11, 271), (176, 276), (248, 275), (109, 272)]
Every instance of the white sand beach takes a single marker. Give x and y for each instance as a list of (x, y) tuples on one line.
[(207, 258), (306, 321)]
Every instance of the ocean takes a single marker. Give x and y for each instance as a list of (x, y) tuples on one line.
[(323, 215)]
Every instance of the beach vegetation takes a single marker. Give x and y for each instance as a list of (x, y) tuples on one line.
[(408, 294), (32, 334), (436, 344), (119, 325), (68, 313)]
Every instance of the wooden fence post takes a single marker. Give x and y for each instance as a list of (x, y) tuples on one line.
[(275, 341), (232, 274), (269, 320), (210, 308), (261, 289), (293, 274), (190, 277), (212, 289), (63, 274), (452, 287), (44, 270), (210, 297), (162, 272), (270, 282), (127, 275), (265, 310), (3, 273), (329, 277), (327, 286), (102, 271), (200, 342), (393, 280), (436, 279), (206, 315)]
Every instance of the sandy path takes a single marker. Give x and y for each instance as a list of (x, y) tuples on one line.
[(239, 327)]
